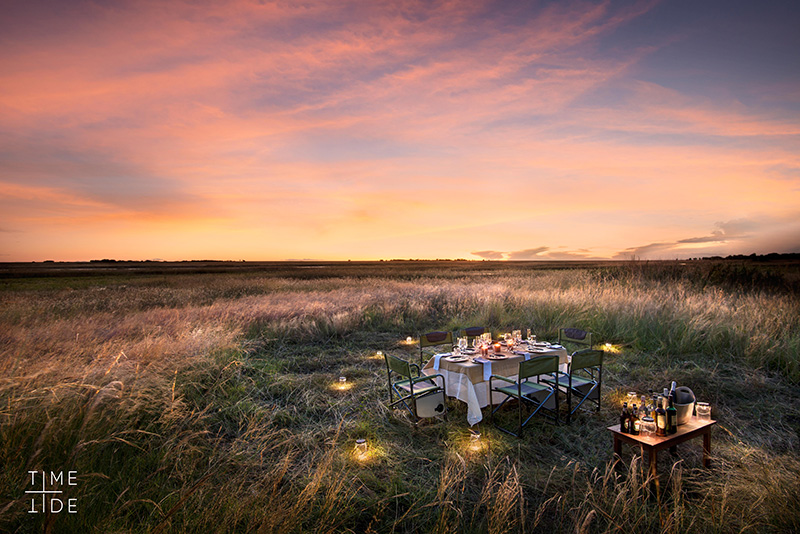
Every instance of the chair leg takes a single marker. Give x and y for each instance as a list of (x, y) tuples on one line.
[(599, 388), (491, 404), (558, 406), (520, 423), (569, 405)]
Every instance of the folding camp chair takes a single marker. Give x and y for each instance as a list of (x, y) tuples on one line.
[(583, 380), (541, 395), (419, 394)]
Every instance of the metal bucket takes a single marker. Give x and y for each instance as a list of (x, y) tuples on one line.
[(431, 405), (684, 404)]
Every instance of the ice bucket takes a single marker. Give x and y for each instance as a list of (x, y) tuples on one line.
[(684, 404), (431, 405)]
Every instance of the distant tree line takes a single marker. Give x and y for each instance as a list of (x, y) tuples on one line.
[(772, 256)]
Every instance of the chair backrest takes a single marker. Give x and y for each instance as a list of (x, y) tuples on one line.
[(540, 365), (397, 365), (473, 331), (432, 339), (586, 358), (576, 336)]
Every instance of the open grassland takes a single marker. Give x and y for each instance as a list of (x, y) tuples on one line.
[(208, 401)]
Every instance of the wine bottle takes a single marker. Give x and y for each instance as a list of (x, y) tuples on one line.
[(642, 409), (633, 421), (672, 416), (623, 419), (661, 419)]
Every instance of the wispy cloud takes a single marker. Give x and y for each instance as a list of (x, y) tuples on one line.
[(539, 253), (489, 254), (575, 255), (726, 238), (527, 254)]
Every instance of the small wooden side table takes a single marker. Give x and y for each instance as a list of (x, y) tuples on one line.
[(694, 428)]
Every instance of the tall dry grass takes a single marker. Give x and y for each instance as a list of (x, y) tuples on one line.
[(205, 402)]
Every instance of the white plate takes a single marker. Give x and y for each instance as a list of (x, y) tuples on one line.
[(456, 359)]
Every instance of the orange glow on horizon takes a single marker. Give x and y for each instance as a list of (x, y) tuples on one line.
[(279, 131)]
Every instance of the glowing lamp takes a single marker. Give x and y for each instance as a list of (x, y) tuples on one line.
[(475, 444)]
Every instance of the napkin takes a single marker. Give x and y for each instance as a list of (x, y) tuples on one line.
[(487, 367), (436, 359)]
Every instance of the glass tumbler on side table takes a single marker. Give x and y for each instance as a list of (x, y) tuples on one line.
[(648, 426), (703, 411)]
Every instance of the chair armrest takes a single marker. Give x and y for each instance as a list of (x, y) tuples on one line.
[(504, 379), (415, 366), (425, 377)]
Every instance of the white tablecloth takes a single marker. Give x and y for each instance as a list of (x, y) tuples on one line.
[(472, 389)]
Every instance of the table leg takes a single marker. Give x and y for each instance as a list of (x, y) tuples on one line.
[(652, 456), (617, 446), (707, 448)]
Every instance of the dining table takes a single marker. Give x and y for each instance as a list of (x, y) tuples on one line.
[(466, 375)]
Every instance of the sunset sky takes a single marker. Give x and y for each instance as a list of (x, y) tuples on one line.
[(374, 129)]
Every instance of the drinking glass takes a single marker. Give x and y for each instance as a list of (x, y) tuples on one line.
[(704, 411), (647, 426)]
